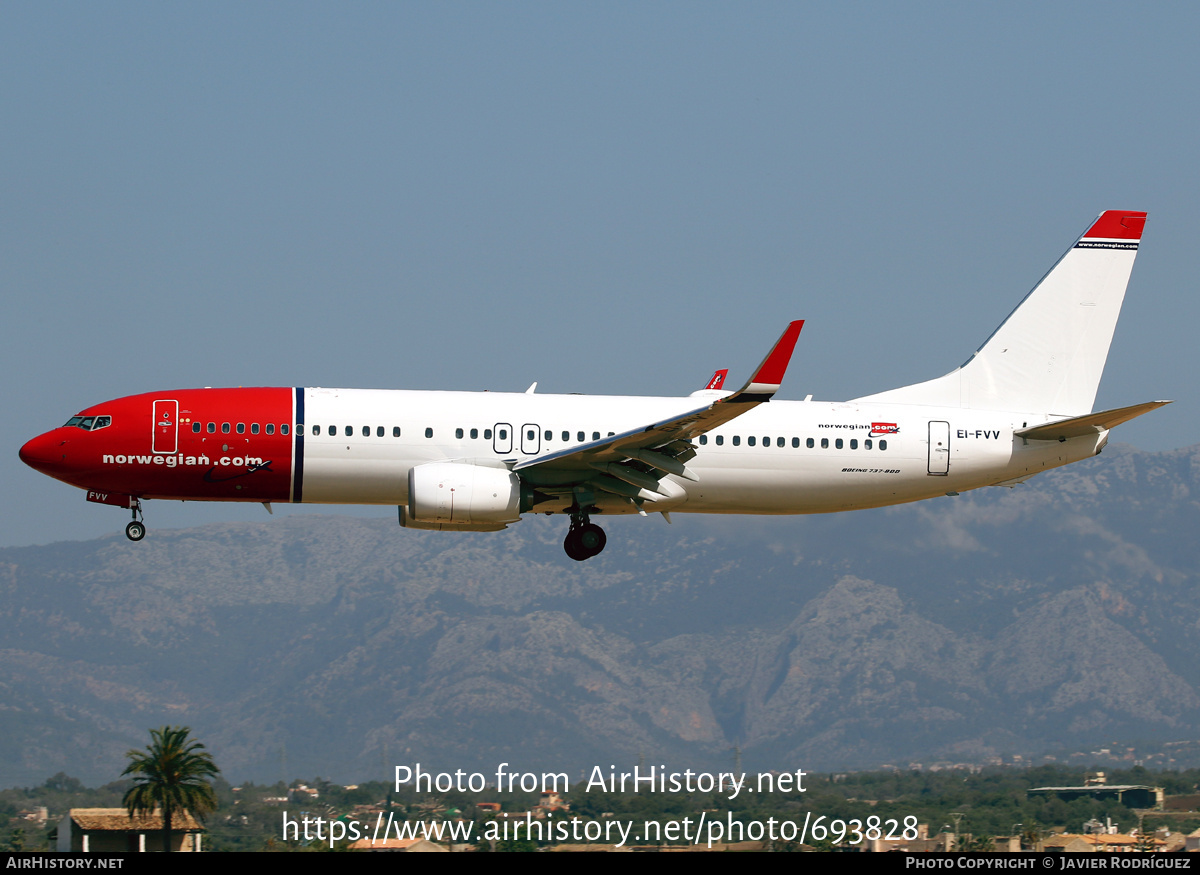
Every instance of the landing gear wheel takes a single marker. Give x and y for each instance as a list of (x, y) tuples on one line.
[(591, 538), (135, 531), (584, 541), (573, 547)]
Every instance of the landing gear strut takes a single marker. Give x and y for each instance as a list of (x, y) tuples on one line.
[(584, 539), (136, 530)]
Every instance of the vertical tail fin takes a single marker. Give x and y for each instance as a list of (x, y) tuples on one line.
[(1048, 355)]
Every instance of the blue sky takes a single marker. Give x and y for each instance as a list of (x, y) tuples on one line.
[(605, 198)]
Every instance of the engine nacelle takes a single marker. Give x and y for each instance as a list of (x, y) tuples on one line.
[(407, 522), (462, 494)]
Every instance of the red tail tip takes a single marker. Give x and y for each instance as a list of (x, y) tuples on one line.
[(1118, 225)]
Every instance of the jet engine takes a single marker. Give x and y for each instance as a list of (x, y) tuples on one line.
[(460, 494)]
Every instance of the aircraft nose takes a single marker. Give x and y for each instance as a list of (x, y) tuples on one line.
[(45, 453)]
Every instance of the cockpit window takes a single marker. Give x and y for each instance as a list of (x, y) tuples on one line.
[(88, 423)]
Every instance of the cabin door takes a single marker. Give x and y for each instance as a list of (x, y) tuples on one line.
[(166, 428), (502, 438), (939, 448)]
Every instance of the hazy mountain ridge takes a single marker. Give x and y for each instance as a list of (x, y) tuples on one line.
[(1062, 611)]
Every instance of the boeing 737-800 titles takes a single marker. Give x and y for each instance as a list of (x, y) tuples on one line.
[(477, 461)]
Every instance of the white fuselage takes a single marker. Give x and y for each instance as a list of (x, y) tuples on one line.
[(861, 454)]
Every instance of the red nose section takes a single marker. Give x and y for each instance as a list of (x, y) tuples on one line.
[(46, 453)]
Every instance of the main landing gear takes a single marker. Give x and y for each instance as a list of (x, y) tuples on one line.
[(136, 530), (584, 539)]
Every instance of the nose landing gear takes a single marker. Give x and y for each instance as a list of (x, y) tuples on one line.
[(136, 530), (584, 539)]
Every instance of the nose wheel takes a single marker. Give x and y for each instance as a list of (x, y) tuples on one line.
[(136, 530), (584, 539)]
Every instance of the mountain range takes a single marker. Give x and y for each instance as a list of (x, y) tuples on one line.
[(1059, 614)]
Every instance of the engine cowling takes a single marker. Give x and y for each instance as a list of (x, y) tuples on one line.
[(458, 493)]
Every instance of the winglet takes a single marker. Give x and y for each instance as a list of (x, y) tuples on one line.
[(718, 379), (770, 373)]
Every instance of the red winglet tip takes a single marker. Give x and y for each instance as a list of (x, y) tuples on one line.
[(1118, 225), (775, 366), (718, 379)]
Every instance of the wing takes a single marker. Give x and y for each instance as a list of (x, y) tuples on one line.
[(634, 461)]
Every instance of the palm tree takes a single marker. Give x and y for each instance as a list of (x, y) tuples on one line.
[(171, 774)]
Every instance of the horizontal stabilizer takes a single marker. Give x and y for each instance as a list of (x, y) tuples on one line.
[(1088, 424)]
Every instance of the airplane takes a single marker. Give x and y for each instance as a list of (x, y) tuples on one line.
[(477, 461)]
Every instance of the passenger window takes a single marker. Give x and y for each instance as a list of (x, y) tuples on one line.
[(503, 434), (779, 442), (332, 430), (838, 443), (566, 436), (224, 428), (824, 443), (349, 430), (254, 428), (737, 440), (720, 440), (611, 433), (195, 428), (271, 428), (809, 443), (474, 434), (283, 429), (883, 445), (241, 428), (379, 431), (580, 438), (316, 430), (703, 440), (212, 428), (853, 444), (595, 435), (531, 435), (487, 434), (458, 433), (867, 444), (395, 431), (429, 432), (549, 435), (749, 441), (795, 443)]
